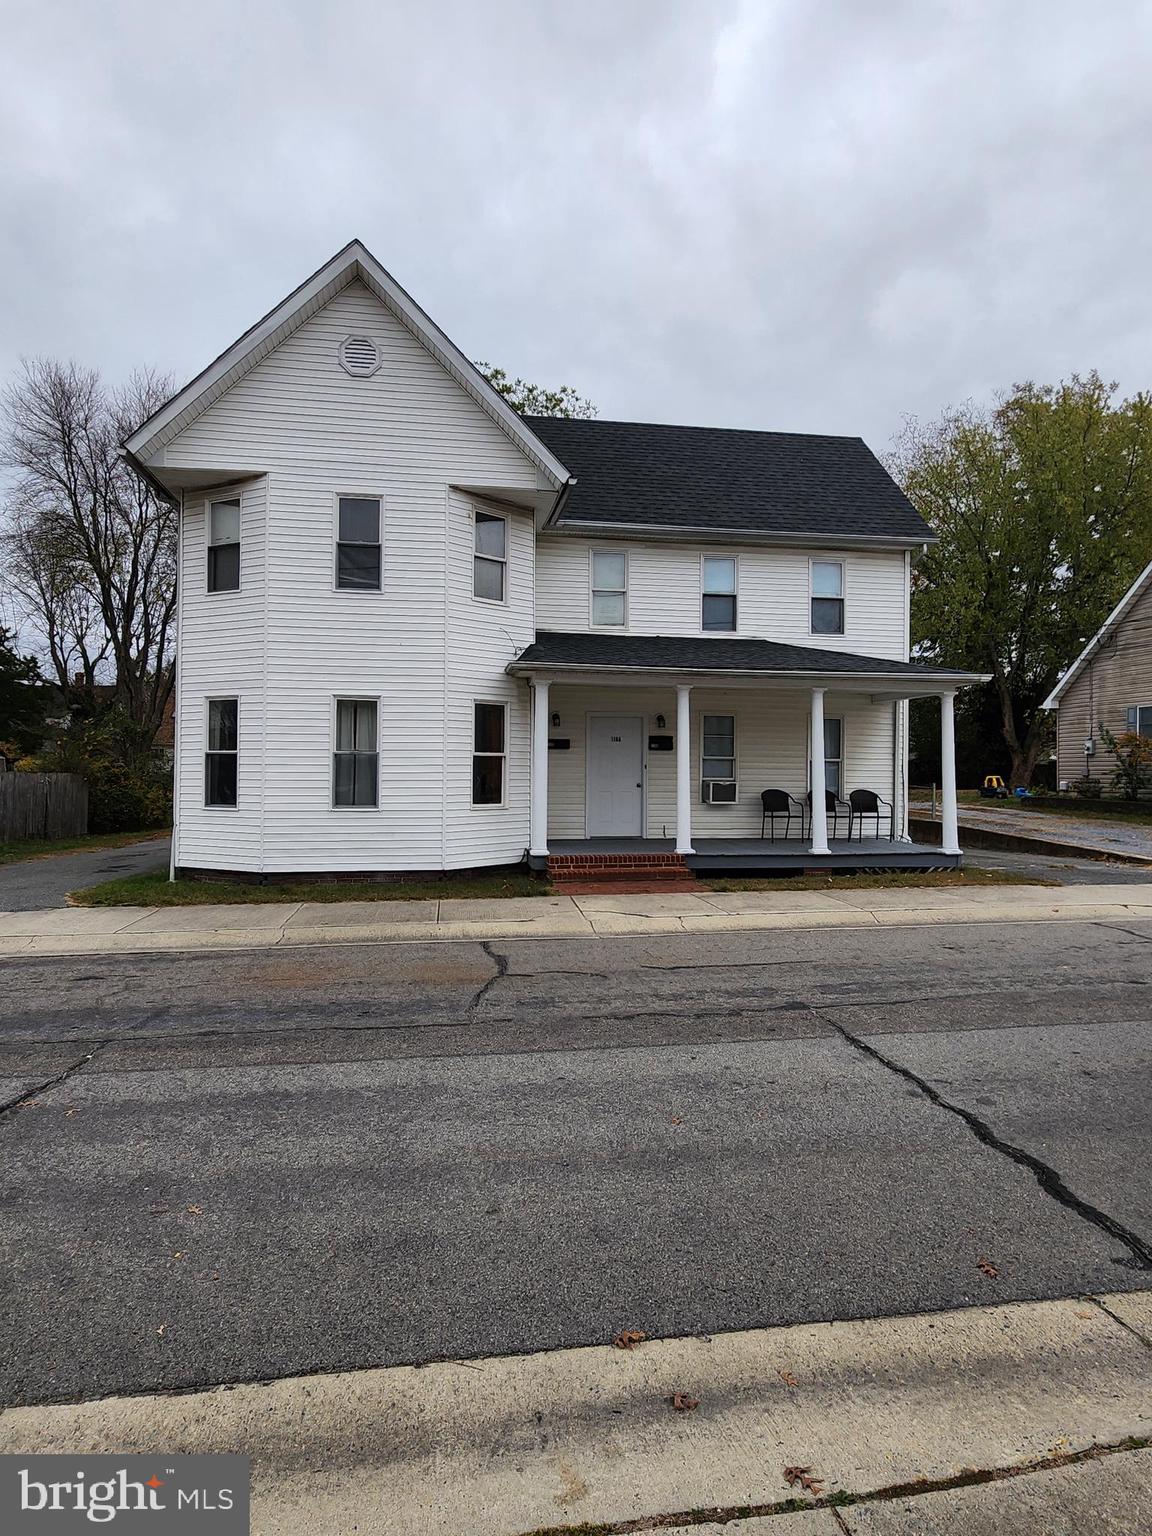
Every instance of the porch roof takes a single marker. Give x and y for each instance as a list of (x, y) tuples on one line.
[(555, 652)]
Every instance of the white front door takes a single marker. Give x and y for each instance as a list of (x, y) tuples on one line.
[(615, 776)]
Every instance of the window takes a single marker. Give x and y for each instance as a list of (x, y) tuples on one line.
[(490, 557), (718, 601), (488, 754), (827, 597), (718, 747), (834, 755), (609, 587), (220, 760), (358, 544), (224, 546), (355, 761), (1140, 719)]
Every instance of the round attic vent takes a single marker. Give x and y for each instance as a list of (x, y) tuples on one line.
[(359, 356)]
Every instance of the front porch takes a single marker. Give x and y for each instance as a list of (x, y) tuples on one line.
[(759, 856)]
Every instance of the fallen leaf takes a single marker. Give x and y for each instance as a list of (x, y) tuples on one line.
[(676, 1120), (161, 1329), (805, 1477), (194, 1210), (628, 1338), (787, 1378), (683, 1403), (30, 1104), (178, 1254), (986, 1267), (68, 1113)]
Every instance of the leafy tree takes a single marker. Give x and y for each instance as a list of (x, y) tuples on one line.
[(90, 551), (1043, 508), (534, 399), (24, 697)]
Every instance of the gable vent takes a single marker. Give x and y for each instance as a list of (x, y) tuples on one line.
[(359, 356)]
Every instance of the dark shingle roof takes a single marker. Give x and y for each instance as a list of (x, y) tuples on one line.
[(630, 472), (689, 653)]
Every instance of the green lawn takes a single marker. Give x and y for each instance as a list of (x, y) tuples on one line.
[(878, 880), (38, 848), (158, 891)]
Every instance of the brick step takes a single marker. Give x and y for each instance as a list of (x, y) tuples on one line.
[(615, 861), (627, 887), (665, 876)]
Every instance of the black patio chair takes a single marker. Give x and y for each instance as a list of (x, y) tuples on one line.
[(778, 802), (866, 802), (833, 807)]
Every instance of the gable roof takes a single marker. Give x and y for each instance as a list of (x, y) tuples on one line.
[(354, 261), (634, 475), (694, 653), (1104, 633)]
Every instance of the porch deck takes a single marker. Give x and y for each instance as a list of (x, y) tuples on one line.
[(756, 856)]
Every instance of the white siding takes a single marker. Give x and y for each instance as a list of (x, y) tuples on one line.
[(421, 645), (664, 592), (771, 752)]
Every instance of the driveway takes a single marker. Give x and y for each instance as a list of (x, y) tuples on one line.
[(38, 883), (1095, 834)]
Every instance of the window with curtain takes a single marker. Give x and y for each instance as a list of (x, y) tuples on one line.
[(609, 587), (221, 760), (488, 753), (356, 756), (490, 557), (718, 594), (358, 544), (224, 545)]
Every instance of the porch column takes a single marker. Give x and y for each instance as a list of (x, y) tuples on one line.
[(683, 769), (949, 826), (818, 821), (538, 802)]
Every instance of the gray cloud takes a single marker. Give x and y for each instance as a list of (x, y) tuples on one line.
[(807, 214)]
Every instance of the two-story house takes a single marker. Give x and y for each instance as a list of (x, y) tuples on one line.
[(419, 632)]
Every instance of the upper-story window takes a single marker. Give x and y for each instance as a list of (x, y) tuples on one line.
[(609, 587), (224, 545), (718, 594), (827, 597), (358, 543), (490, 557)]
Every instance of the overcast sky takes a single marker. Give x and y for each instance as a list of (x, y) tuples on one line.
[(767, 213)]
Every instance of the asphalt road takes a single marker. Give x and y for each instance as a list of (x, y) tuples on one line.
[(226, 1167), (34, 884)]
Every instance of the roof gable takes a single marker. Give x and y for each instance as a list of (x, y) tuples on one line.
[(354, 261), (636, 476), (1114, 619)]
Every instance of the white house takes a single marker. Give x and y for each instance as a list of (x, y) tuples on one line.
[(419, 632)]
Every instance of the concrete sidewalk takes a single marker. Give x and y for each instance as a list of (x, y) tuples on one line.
[(1044, 1406), (110, 930)]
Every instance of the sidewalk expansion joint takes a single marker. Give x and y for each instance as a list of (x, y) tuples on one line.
[(1142, 1338), (8, 1110), (736, 1514), (1048, 1179)]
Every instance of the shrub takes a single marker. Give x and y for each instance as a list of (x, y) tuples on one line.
[(129, 781), (1087, 788), (1133, 757)]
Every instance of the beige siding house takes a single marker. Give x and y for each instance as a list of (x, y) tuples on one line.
[(1109, 684), (419, 632)]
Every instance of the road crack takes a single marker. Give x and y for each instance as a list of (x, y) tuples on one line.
[(9, 1109), (501, 963), (1048, 1179)]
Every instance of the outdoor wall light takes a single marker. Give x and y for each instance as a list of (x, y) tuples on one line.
[(660, 722), (555, 718)]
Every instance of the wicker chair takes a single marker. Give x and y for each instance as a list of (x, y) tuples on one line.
[(778, 802), (866, 802)]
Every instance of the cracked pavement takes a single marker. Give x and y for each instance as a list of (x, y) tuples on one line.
[(231, 1166)]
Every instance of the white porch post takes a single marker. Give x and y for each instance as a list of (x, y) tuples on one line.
[(683, 769), (949, 826), (538, 802), (818, 820)]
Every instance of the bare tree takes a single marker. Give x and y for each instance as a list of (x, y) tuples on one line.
[(90, 550)]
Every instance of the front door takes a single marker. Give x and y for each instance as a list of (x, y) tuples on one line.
[(615, 776)]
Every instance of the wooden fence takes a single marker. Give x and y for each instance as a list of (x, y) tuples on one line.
[(48, 805)]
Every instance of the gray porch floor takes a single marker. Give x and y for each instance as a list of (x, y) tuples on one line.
[(729, 854)]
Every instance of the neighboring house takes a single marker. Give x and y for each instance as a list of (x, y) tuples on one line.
[(420, 632), (1109, 684)]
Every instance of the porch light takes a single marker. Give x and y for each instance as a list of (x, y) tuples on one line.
[(660, 722), (555, 719)]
